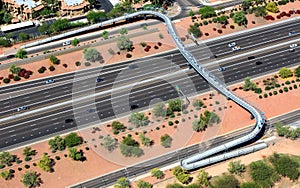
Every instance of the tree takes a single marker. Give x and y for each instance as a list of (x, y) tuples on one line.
[(197, 103), (45, 163), (246, 4), (181, 174), (194, 29), (21, 54), (105, 34), (30, 179), (75, 155), (7, 17), (116, 125), (159, 110), (143, 184), (166, 140), (240, 18), (146, 141), (191, 13), (123, 31), (57, 143), (207, 12), (235, 167), (285, 72), (249, 185), (109, 143), (124, 43), (175, 185), (23, 36), (5, 42), (44, 28), (6, 158), (281, 130), (226, 180), (297, 71), (175, 104), (6, 174), (285, 166), (222, 19), (263, 174), (155, 172), (91, 54), (72, 139), (272, 7), (138, 119), (15, 70), (199, 125), (122, 183), (260, 11), (60, 25), (28, 151), (54, 60), (203, 178), (95, 17), (75, 42), (130, 148)]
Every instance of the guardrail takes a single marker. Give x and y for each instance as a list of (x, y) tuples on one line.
[(193, 161)]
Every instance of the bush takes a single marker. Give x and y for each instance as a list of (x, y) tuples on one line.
[(19, 169), (205, 22), (6, 80), (260, 97), (220, 31), (27, 158), (295, 86), (275, 92), (26, 166), (170, 123), (280, 91), (57, 158), (18, 161), (51, 68), (87, 64), (2, 166), (128, 55), (42, 69), (265, 95), (287, 82), (155, 47), (285, 89), (77, 63)]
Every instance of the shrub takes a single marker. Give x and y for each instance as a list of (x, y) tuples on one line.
[(159, 43), (295, 86), (87, 64), (65, 65), (214, 29), (291, 88), (19, 168), (6, 80), (277, 85), (18, 161), (220, 31), (77, 63), (285, 89), (26, 166), (267, 88), (206, 34), (275, 92), (280, 91), (265, 95), (170, 123), (155, 47), (128, 55), (270, 94), (27, 158), (205, 22), (57, 158), (51, 68), (287, 82), (260, 97)]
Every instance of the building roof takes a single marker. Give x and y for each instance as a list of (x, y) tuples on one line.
[(73, 2), (29, 3), (16, 26)]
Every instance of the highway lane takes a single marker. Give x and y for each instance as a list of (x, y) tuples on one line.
[(139, 96), (173, 157)]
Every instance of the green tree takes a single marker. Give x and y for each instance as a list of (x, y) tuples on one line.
[(159, 109), (246, 4), (166, 140), (143, 184), (175, 104), (226, 180), (28, 151), (75, 42), (240, 18), (249, 185), (75, 155), (263, 174), (197, 103), (6, 158), (272, 7), (30, 179), (109, 143), (60, 25), (260, 11), (23, 36), (72, 139), (207, 12), (285, 72), (21, 54), (222, 19), (194, 29), (181, 174), (6, 174), (203, 178), (199, 125), (285, 166), (297, 71), (124, 43), (105, 34), (191, 13), (138, 119), (123, 31), (155, 172), (130, 147), (248, 85), (54, 60), (44, 28), (235, 167), (122, 183), (91, 54), (175, 185), (95, 17), (7, 17), (5, 42), (281, 130), (15, 70), (116, 125), (146, 141), (57, 143), (45, 163)]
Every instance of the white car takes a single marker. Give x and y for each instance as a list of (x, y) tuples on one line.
[(49, 81), (21, 108), (231, 44), (292, 33), (221, 69), (293, 46), (236, 48), (66, 43)]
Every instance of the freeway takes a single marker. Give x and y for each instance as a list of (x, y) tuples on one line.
[(52, 122), (175, 156)]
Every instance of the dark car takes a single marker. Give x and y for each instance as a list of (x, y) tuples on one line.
[(132, 66), (10, 56), (69, 120), (99, 80), (258, 62), (134, 106), (251, 57)]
